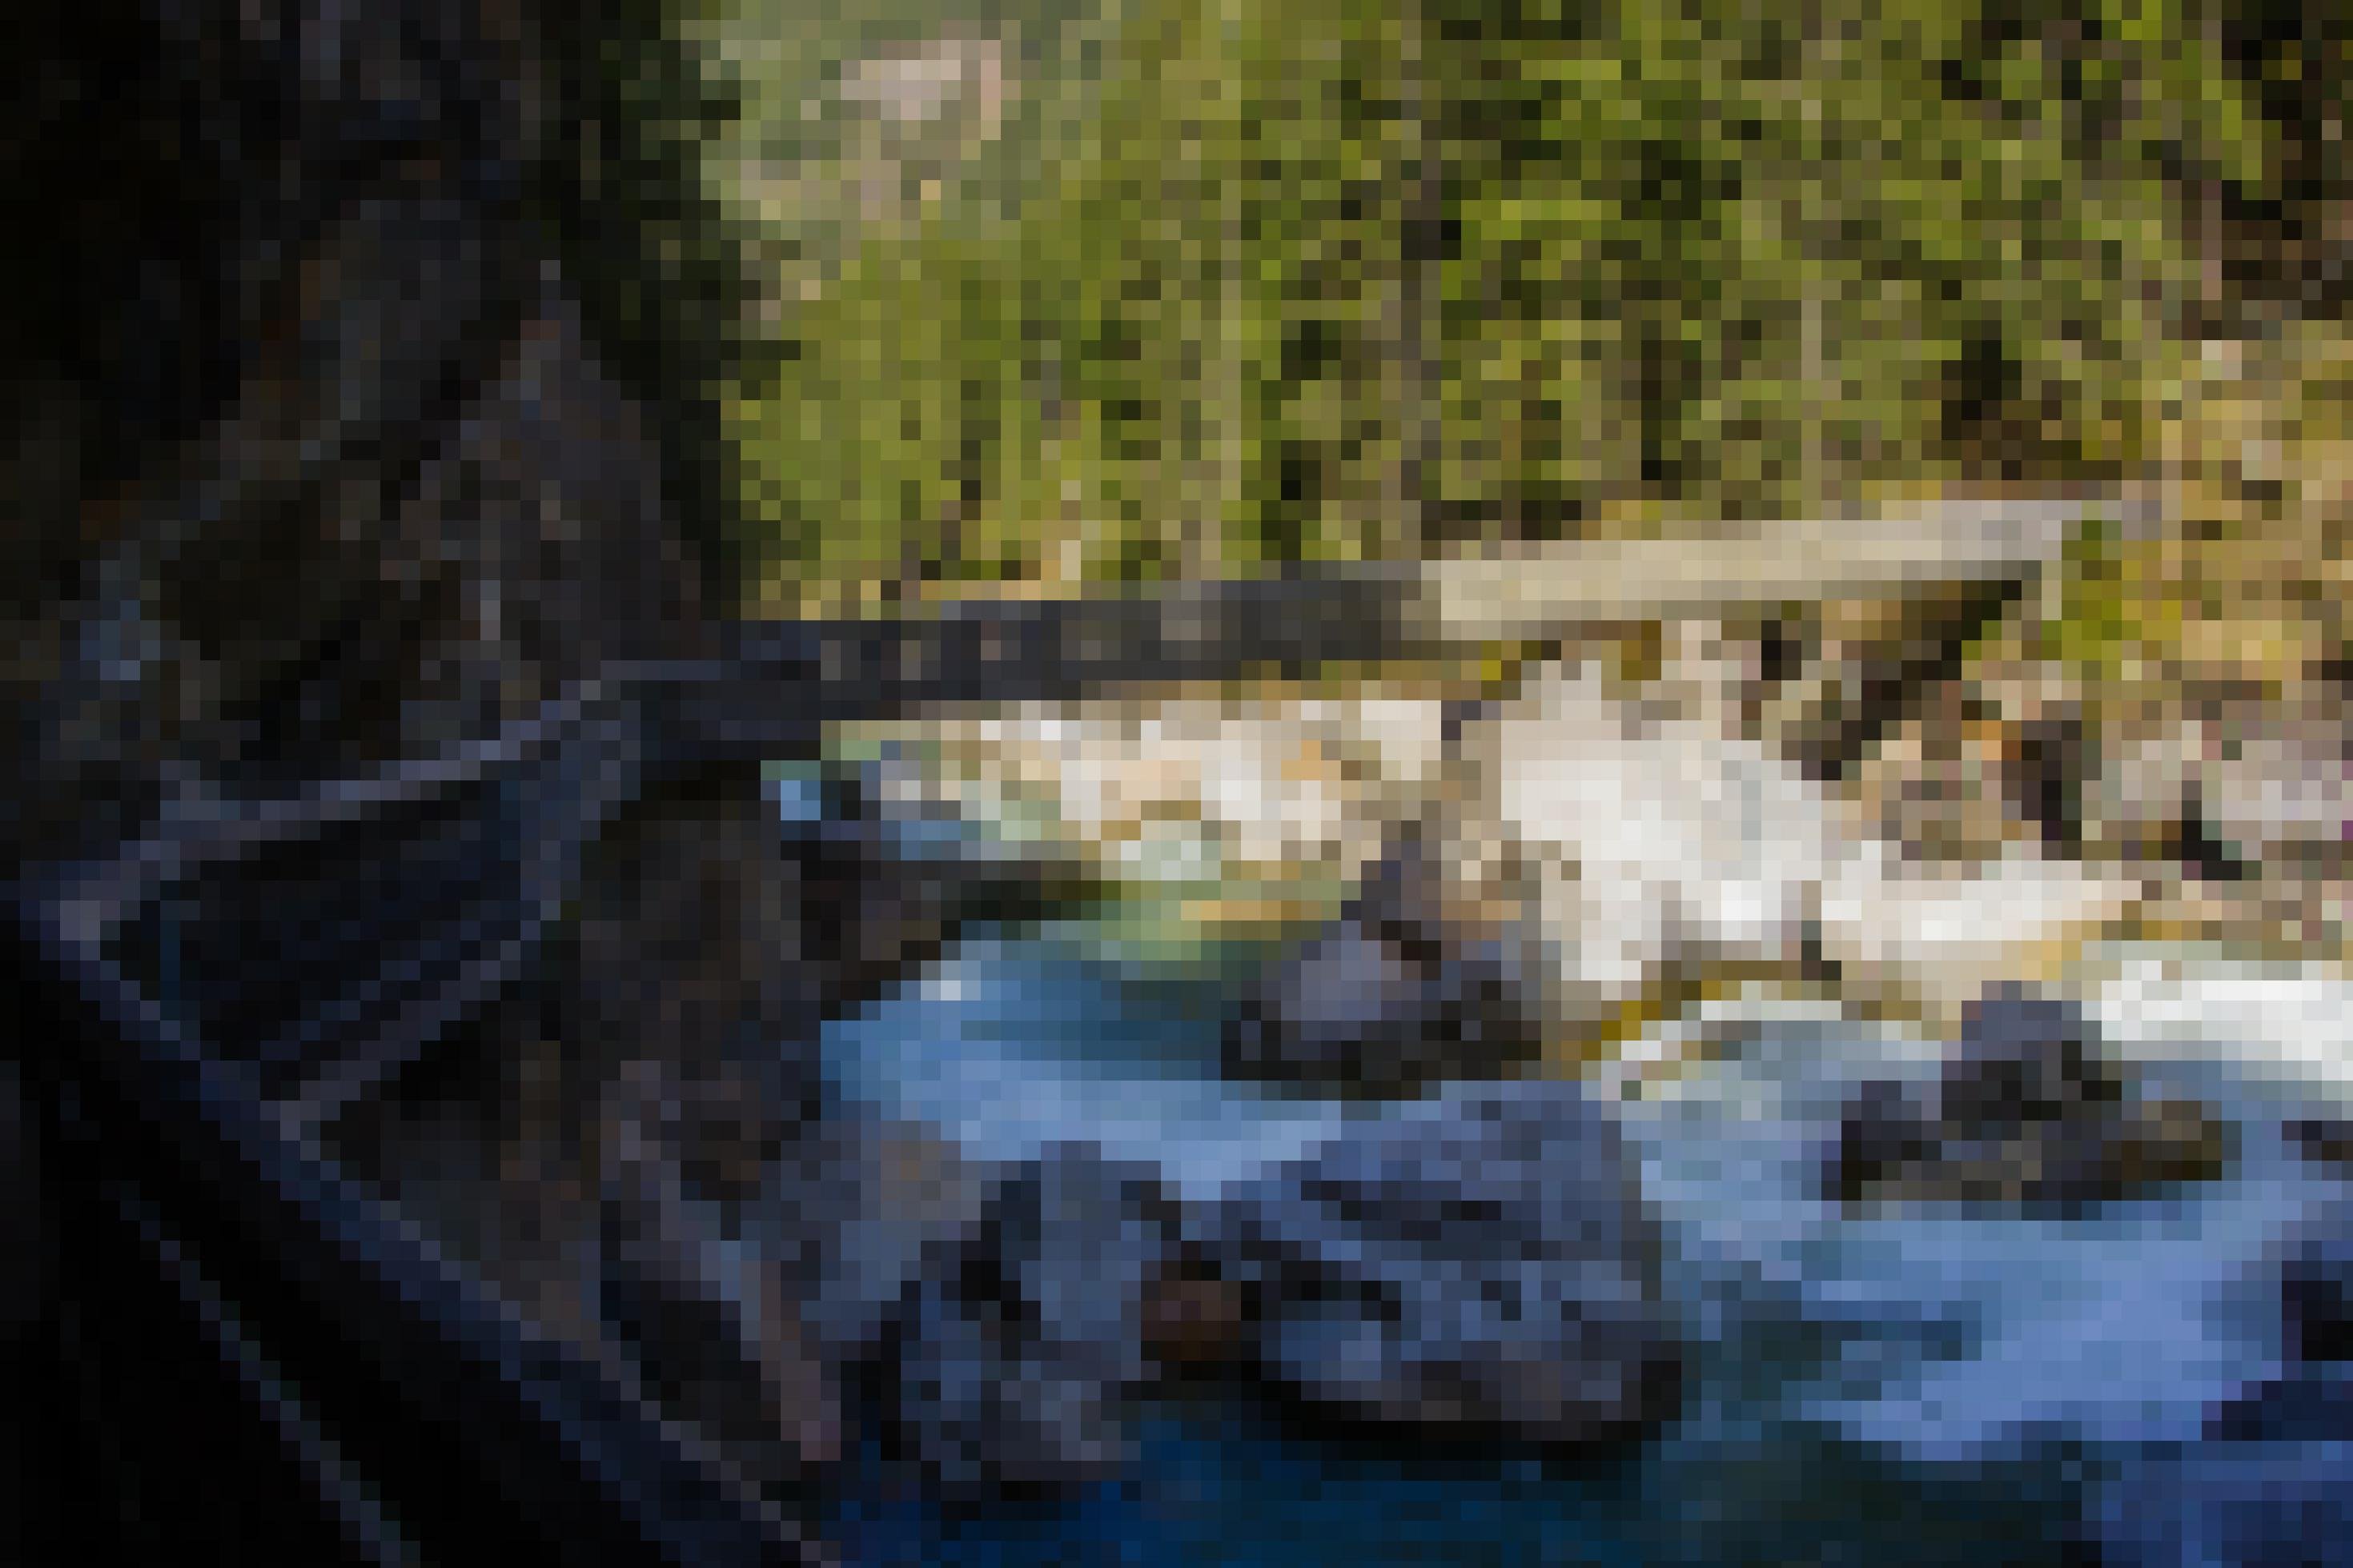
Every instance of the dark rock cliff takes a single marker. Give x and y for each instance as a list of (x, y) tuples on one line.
[(359, 363)]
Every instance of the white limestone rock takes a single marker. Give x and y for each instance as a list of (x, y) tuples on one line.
[(1609, 848)]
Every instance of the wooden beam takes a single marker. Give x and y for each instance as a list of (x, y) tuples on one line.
[(781, 683), (1549, 592)]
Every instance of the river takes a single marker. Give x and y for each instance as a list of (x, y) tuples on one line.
[(1929, 1387)]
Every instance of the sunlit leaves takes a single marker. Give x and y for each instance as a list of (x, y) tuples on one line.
[(1233, 283)]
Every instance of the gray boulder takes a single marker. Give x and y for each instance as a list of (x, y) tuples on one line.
[(1014, 1356), (1392, 995), (2025, 1114), (1479, 1265)]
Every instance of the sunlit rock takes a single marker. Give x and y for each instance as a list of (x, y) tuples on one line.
[(1647, 843), (2269, 785), (1592, 850), (1923, 943), (1669, 845), (2288, 1025), (1188, 789)]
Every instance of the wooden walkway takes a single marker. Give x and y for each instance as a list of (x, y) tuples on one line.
[(217, 992)]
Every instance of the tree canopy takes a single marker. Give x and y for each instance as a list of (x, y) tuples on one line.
[(1140, 286)]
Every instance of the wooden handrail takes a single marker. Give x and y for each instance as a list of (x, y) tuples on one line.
[(464, 1419), (217, 1144)]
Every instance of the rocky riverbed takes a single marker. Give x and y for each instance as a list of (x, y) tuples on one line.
[(1953, 1171), (1987, 1357), (1537, 871)]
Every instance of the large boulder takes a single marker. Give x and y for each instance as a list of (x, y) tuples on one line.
[(1015, 1351), (1395, 992), (1479, 1265), (2024, 1113), (1646, 850)]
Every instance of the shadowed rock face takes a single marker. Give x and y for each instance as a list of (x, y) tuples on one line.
[(2024, 1114), (2324, 1140), (1013, 1357), (2316, 1297), (324, 467), (355, 483)]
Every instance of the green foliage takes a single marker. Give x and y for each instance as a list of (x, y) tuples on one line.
[(657, 264), (1891, 244), (1226, 284)]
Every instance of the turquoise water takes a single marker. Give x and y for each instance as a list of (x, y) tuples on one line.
[(1221, 1486), (1857, 1380)]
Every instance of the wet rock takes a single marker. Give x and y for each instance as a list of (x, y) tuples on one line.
[(2316, 1299), (1479, 1265), (1394, 994), (2273, 1477), (1197, 1323), (2024, 1114), (2324, 1140), (1011, 1362), (2023, 1060), (2311, 1405), (2271, 1482), (2251, 1505)]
